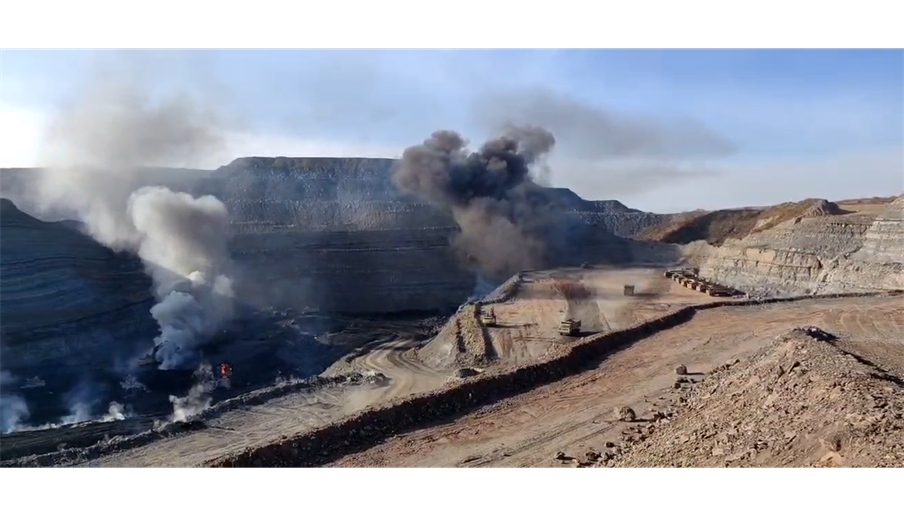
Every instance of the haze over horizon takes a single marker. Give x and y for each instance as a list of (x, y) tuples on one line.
[(660, 130)]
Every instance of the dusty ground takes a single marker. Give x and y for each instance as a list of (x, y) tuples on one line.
[(575, 416), (527, 325), (527, 330), (799, 402)]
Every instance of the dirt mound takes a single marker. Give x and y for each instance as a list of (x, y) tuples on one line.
[(717, 226), (462, 342), (800, 402), (822, 208)]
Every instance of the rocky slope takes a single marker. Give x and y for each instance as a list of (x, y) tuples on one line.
[(801, 402), (68, 306), (811, 254), (358, 194), (62, 288), (324, 234), (884, 240), (335, 234), (715, 227)]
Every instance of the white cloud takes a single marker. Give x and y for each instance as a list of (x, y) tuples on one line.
[(655, 185), (753, 183), (271, 145), (20, 134)]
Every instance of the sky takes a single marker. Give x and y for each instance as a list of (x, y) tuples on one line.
[(660, 130)]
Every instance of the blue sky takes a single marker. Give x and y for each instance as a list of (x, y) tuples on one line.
[(661, 130)]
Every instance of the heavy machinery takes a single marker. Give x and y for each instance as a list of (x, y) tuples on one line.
[(569, 327), (488, 318)]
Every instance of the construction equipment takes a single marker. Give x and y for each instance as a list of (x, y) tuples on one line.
[(569, 327), (488, 318)]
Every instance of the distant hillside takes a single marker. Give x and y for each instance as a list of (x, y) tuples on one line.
[(716, 226), (348, 194), (336, 235)]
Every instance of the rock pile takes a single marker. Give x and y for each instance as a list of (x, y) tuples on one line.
[(801, 402)]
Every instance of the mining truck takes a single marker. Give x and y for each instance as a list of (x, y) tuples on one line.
[(569, 327), (488, 318)]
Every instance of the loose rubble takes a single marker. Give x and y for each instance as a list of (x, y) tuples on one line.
[(625, 414), (801, 402)]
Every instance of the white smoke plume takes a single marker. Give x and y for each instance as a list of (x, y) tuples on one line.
[(80, 400), (198, 398), (13, 408), (78, 413), (482, 288), (183, 243), (97, 146), (115, 412), (13, 411)]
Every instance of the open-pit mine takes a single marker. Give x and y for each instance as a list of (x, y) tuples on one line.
[(363, 336)]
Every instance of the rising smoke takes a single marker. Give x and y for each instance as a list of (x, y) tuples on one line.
[(13, 408), (505, 217), (198, 398), (608, 152), (97, 146)]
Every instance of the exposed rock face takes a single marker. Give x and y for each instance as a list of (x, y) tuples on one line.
[(357, 194), (331, 234), (884, 240), (336, 234), (809, 255), (327, 234), (65, 297)]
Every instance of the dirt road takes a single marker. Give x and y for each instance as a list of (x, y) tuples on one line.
[(527, 325), (526, 332), (567, 416), (575, 415), (405, 373)]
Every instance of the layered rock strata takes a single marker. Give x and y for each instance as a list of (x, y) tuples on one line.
[(813, 255)]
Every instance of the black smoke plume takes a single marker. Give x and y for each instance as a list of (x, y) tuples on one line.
[(506, 218)]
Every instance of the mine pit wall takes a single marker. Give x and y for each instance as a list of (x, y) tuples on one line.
[(812, 256), (377, 423)]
